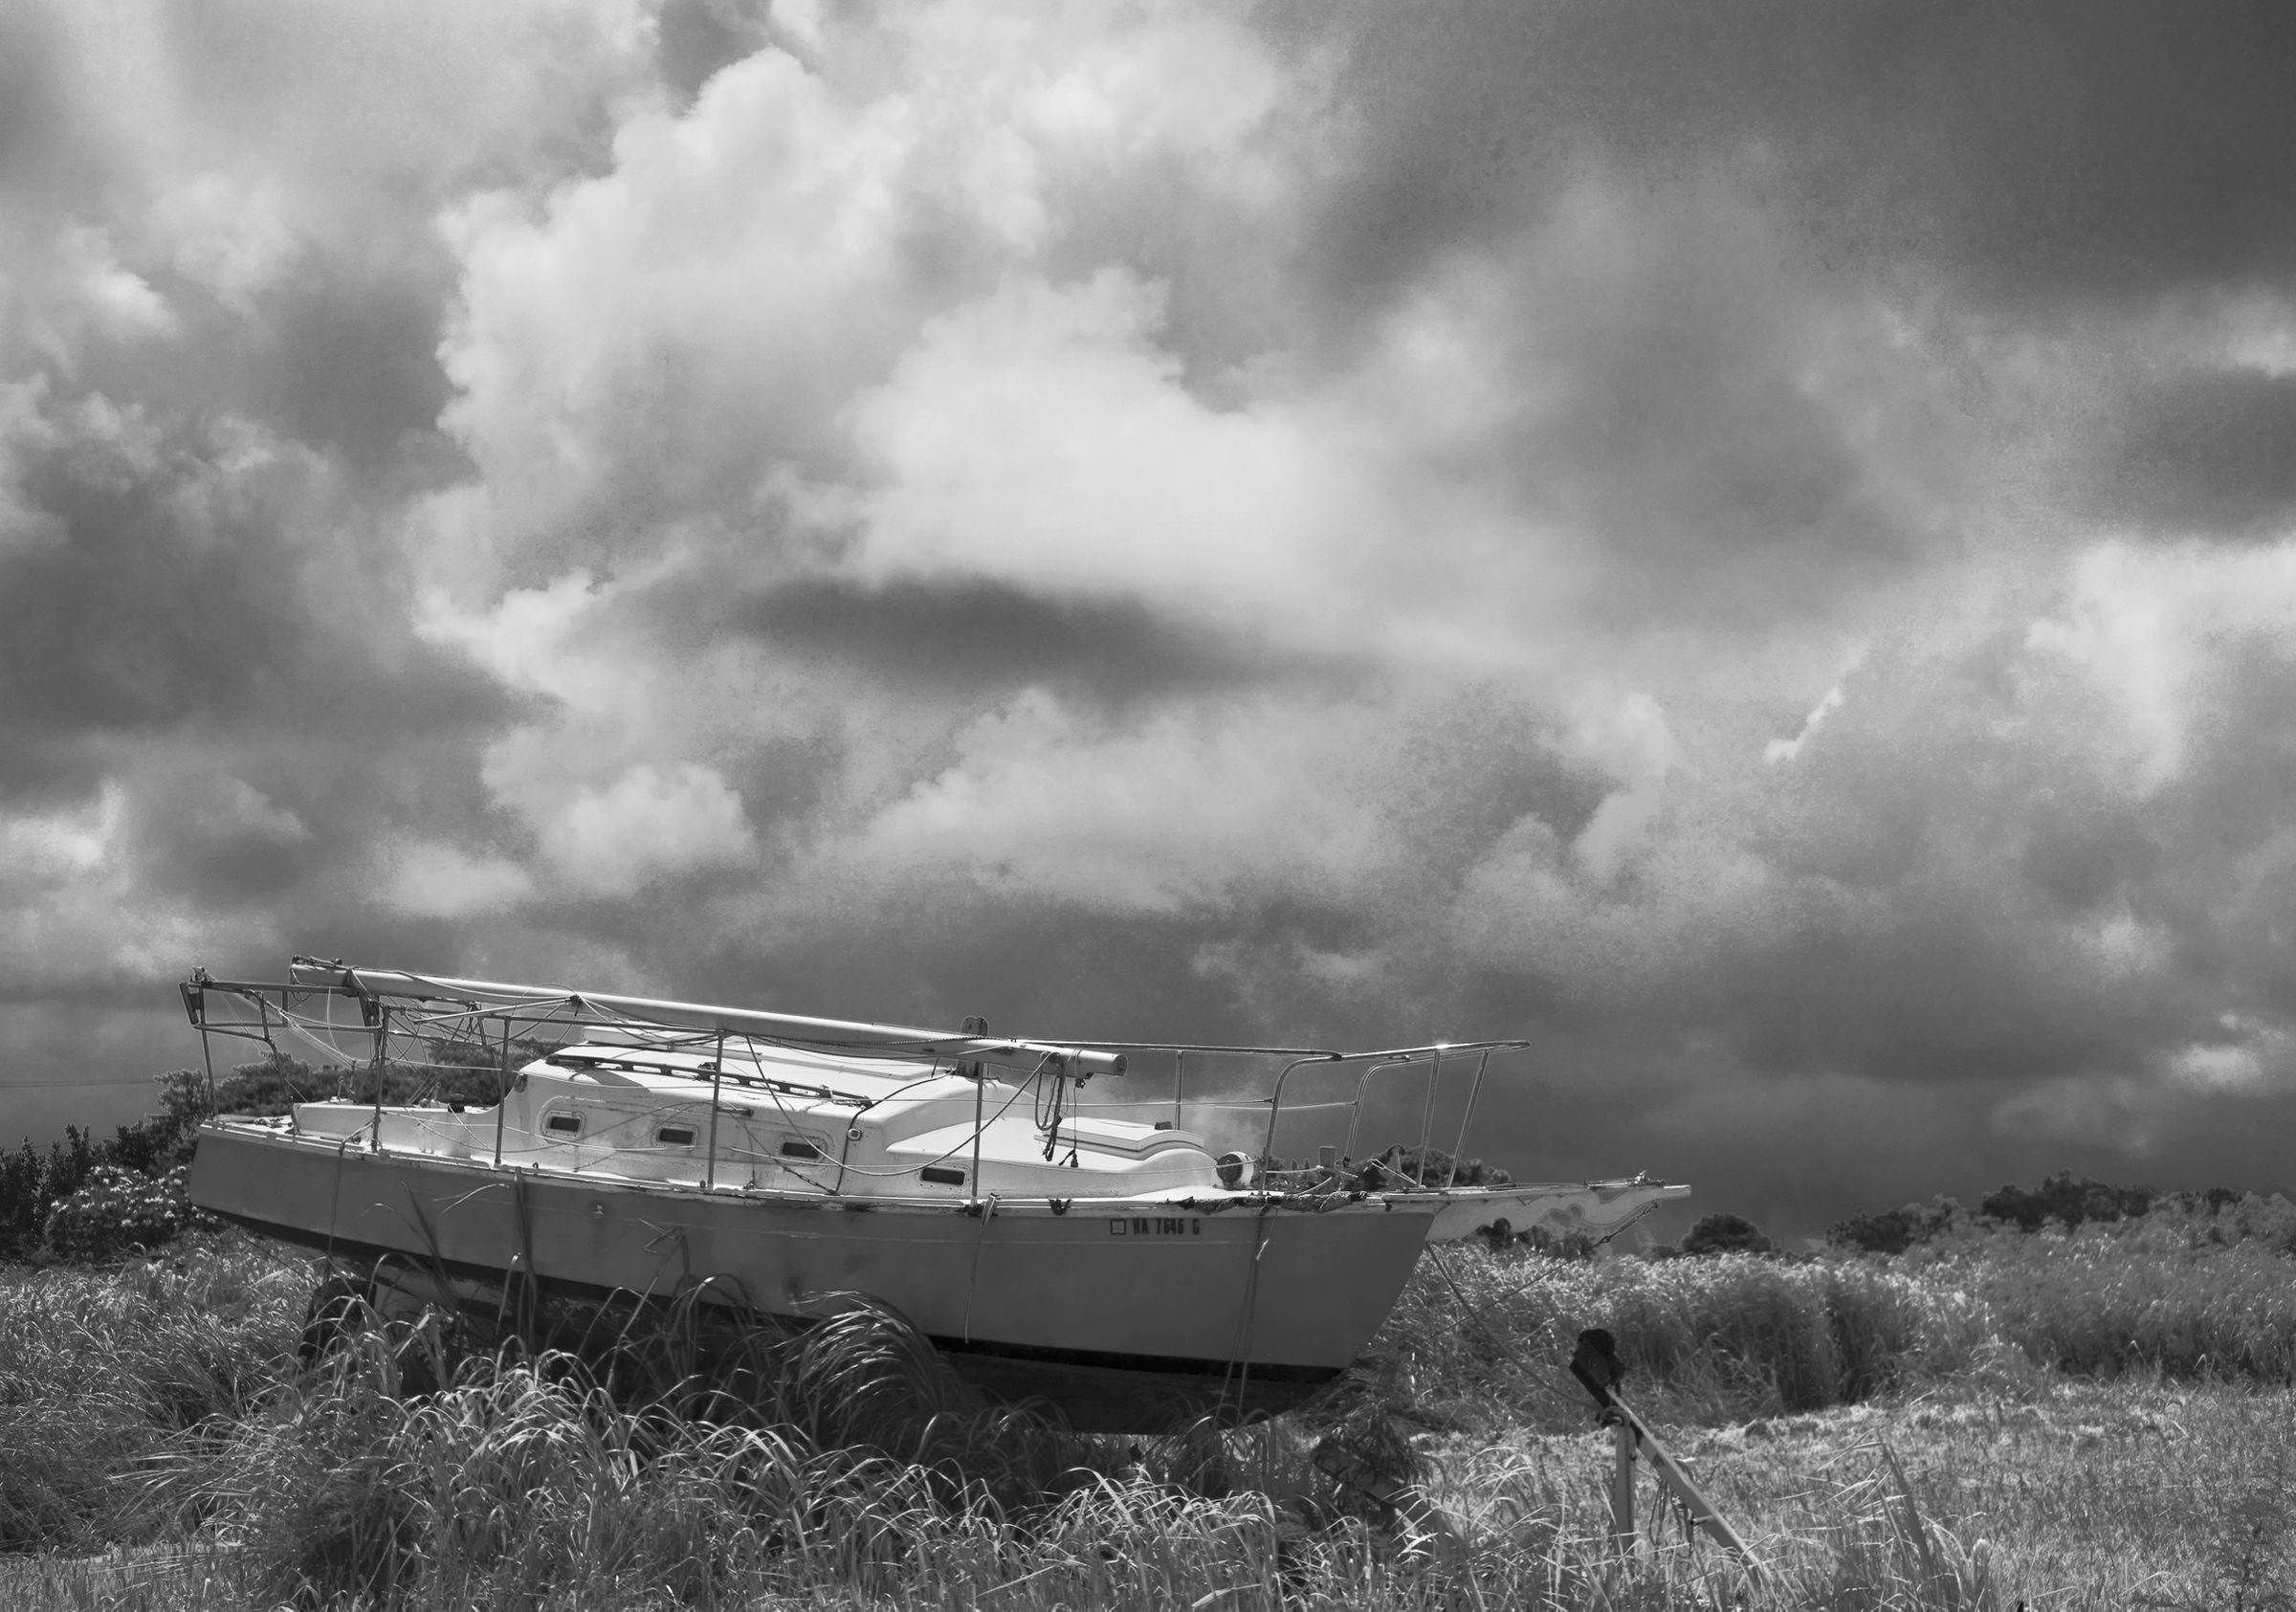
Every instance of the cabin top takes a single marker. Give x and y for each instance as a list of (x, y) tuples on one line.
[(787, 1072)]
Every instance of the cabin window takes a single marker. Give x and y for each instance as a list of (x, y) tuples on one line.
[(674, 1136), (794, 1148), (564, 1124), (942, 1174)]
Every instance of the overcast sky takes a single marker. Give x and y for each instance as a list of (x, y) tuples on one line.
[(1754, 544)]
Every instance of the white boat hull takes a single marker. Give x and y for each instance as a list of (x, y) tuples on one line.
[(1131, 1315)]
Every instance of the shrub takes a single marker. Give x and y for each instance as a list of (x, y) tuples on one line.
[(2068, 1199), (1725, 1234), (22, 1207), (1892, 1231), (31, 1186), (117, 1211), (275, 1085), (1435, 1167)]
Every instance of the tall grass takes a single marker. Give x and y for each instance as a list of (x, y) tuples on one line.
[(157, 1411), (2102, 1301), (102, 1371), (524, 1487), (1479, 1338)]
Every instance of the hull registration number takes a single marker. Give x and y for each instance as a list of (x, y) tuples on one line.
[(1155, 1225)]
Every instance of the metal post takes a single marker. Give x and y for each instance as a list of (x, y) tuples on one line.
[(1426, 1116), (1355, 1115), (207, 1056), (709, 1176), (502, 1092), (1622, 1483), (381, 1041), (1275, 1098), (975, 1070), (980, 1100), (1460, 1146), (1180, 1081), (1696, 1506)]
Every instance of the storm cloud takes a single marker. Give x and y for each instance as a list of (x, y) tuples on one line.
[(1750, 545)]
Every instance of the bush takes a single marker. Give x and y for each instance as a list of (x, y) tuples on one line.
[(274, 1086), (31, 1186), (1892, 1231), (117, 1211), (2068, 1199), (1435, 1167), (1725, 1234)]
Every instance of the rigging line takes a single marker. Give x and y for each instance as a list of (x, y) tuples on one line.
[(1048, 1102), (783, 1108), (979, 1126), (889, 1174), (1017, 1092), (1242, 1360), (299, 1025), (1471, 1312)]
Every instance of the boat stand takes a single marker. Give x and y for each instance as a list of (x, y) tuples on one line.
[(1597, 1366)]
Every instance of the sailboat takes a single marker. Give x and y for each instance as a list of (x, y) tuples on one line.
[(1051, 1243)]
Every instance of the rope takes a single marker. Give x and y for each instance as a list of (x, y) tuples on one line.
[(1471, 1312), (1242, 1358)]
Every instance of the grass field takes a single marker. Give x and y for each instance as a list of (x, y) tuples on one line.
[(2101, 1420)]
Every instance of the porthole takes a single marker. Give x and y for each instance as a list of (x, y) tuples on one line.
[(674, 1136), (564, 1124), (942, 1175), (793, 1148)]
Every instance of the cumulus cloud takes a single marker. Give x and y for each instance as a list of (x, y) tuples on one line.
[(430, 879), (79, 915), (2154, 630), (1190, 810), (1041, 437), (1751, 547), (644, 825)]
